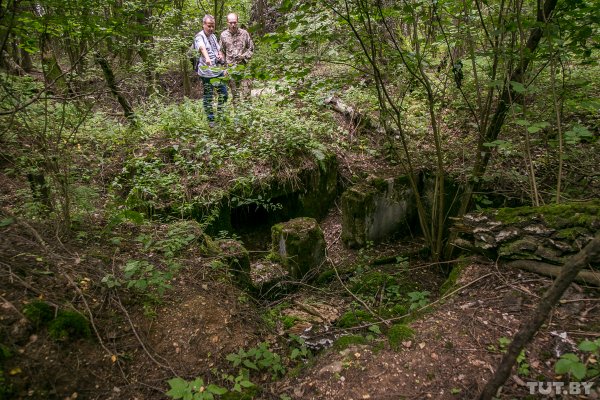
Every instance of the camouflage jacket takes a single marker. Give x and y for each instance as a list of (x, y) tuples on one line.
[(237, 48)]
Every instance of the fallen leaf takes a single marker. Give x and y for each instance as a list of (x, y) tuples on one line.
[(422, 345)]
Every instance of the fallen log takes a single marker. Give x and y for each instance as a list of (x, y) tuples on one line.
[(352, 116), (538, 267)]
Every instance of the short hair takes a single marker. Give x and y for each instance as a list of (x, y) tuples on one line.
[(207, 18), (234, 14)]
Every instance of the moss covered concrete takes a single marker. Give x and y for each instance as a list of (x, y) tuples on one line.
[(376, 209), (299, 244), (556, 216)]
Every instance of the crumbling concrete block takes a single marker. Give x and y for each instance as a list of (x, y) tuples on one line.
[(376, 209), (299, 244)]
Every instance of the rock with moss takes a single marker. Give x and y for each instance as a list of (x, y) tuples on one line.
[(376, 209), (547, 234), (299, 245)]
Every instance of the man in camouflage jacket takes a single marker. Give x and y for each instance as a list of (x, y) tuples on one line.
[(237, 48)]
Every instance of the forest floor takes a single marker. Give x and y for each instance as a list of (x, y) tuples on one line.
[(446, 350), (454, 347)]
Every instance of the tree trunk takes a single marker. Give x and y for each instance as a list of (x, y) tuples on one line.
[(53, 74), (26, 61), (112, 85), (497, 121)]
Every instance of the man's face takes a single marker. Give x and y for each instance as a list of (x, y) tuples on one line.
[(232, 24), (209, 26)]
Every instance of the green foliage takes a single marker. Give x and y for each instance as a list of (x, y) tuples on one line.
[(69, 325), (299, 349), (272, 315), (288, 321), (371, 282), (576, 134), (581, 368), (418, 299), (258, 358), (142, 275), (522, 364), (158, 179), (503, 343), (398, 333), (179, 236), (39, 313), (240, 382), (194, 390)]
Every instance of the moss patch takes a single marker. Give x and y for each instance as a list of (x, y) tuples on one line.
[(38, 313), (399, 333), (353, 318), (325, 277), (397, 310), (346, 341), (450, 282), (69, 325), (557, 216), (371, 282)]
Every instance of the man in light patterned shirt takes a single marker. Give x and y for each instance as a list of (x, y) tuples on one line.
[(237, 48), (208, 68)]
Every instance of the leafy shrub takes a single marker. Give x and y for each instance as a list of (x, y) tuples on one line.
[(141, 275), (583, 368), (194, 390), (258, 358), (418, 299)]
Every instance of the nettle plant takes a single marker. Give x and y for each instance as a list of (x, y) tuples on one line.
[(418, 299), (257, 359), (194, 390), (585, 367), (145, 276)]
